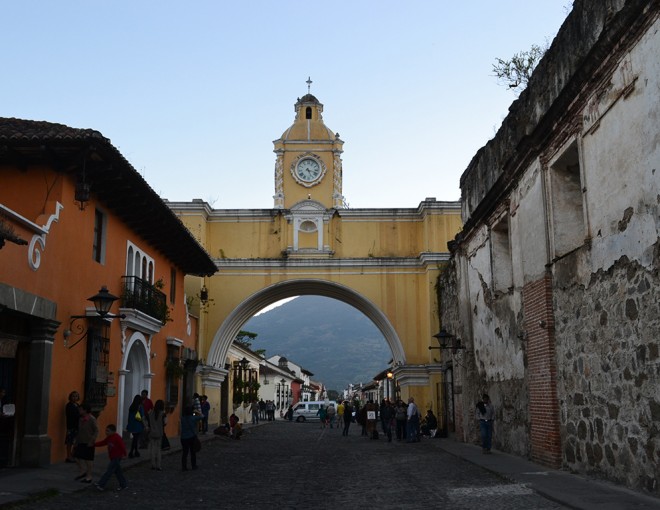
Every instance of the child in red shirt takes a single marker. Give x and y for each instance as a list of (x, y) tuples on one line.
[(116, 452)]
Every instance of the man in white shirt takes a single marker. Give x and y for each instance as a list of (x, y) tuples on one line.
[(413, 421)]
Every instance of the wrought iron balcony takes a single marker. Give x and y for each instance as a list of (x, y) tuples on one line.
[(141, 295)]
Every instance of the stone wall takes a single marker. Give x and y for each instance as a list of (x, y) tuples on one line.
[(556, 284), (609, 363)]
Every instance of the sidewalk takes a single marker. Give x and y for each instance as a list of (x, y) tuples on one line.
[(19, 484), (574, 491)]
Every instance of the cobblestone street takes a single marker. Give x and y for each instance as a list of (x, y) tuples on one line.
[(299, 465)]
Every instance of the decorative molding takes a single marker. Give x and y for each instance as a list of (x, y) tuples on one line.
[(172, 340), (138, 321), (212, 377), (279, 181), (34, 252), (338, 200)]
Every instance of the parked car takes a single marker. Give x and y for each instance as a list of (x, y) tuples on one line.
[(308, 411)]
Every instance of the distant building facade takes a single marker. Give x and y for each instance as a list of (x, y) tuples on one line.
[(554, 283)]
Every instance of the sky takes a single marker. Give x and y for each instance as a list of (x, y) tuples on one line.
[(194, 93)]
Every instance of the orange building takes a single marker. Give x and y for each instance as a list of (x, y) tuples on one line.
[(76, 219)]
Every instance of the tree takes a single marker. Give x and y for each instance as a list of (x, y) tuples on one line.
[(516, 72), (245, 338)]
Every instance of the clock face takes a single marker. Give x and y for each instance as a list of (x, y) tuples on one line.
[(308, 170)]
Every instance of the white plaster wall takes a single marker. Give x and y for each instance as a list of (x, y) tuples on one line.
[(498, 356), (529, 225), (620, 179)]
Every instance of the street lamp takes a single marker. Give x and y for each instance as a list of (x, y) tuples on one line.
[(102, 303), (447, 341)]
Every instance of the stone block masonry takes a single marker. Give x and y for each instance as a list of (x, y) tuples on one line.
[(609, 388)]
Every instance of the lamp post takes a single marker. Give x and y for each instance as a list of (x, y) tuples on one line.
[(243, 364), (102, 301), (447, 341)]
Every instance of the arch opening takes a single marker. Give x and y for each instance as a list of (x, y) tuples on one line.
[(250, 306)]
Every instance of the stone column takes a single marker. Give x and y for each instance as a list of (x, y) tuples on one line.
[(36, 444)]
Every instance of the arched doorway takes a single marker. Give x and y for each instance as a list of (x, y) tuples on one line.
[(135, 375)]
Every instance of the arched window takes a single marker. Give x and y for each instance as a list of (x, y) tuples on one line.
[(308, 112), (308, 226)]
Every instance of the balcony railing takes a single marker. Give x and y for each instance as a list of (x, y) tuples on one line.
[(141, 295)]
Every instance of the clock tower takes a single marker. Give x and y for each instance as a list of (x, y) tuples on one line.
[(308, 164)]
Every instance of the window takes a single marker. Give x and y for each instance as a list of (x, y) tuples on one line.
[(308, 113), (173, 373), (172, 285), (139, 264), (500, 243), (96, 366), (98, 247), (568, 228)]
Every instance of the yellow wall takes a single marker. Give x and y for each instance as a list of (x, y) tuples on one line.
[(399, 284)]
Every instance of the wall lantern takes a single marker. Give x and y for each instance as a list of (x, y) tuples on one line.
[(102, 303), (244, 363), (204, 295), (447, 341)]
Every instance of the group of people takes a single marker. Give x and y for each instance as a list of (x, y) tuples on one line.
[(262, 410), (146, 423), (397, 419)]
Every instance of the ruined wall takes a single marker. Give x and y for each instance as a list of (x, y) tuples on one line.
[(550, 89), (494, 359), (557, 266), (610, 372)]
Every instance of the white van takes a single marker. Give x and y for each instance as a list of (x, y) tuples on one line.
[(308, 411)]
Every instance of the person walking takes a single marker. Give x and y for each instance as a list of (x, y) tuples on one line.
[(322, 413), (387, 412), (206, 409), (72, 417), (147, 405), (330, 413), (413, 421), (116, 452), (348, 417), (401, 419), (156, 420), (254, 409), (340, 415), (485, 413), (88, 430), (135, 425), (189, 424), (371, 410)]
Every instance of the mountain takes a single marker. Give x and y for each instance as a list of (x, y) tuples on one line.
[(331, 339)]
